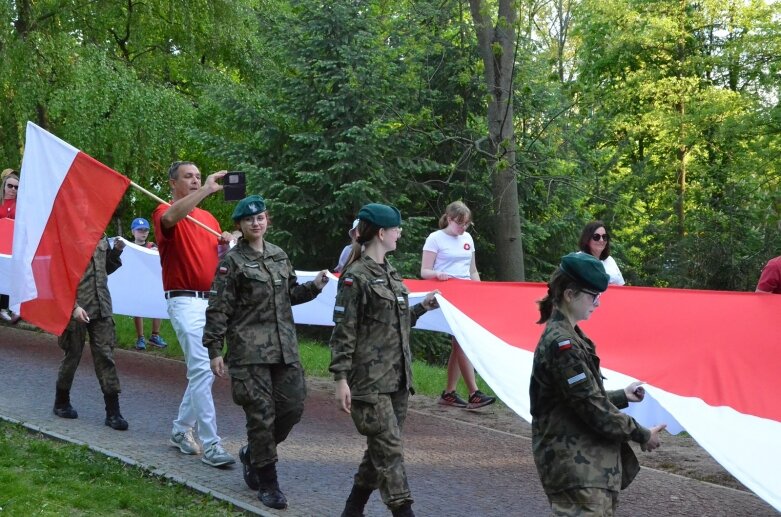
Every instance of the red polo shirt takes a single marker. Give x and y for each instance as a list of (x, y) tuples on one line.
[(188, 253)]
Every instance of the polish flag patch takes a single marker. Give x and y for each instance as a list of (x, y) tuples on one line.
[(565, 345)]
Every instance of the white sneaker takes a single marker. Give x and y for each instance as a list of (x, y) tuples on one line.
[(185, 441), (216, 456), (5, 314)]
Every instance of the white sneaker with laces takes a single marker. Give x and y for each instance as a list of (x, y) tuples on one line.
[(216, 456), (5, 314), (185, 441)]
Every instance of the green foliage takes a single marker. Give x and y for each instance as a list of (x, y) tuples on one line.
[(327, 106)]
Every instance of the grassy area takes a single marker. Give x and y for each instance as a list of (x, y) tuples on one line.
[(315, 356), (126, 336), (428, 380), (39, 476)]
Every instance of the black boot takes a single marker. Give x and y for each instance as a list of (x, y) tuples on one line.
[(62, 405), (404, 510), (250, 474), (356, 502), (113, 417), (269, 492)]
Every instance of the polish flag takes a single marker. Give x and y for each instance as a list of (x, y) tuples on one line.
[(66, 199)]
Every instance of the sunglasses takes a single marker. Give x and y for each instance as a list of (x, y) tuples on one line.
[(598, 236), (594, 294), (10, 185)]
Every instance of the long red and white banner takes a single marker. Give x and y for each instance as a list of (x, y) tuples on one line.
[(710, 359)]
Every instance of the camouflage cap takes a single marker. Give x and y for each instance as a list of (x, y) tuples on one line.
[(383, 216), (586, 270), (250, 205)]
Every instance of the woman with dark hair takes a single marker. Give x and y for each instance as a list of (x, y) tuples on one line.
[(371, 359), (10, 181), (579, 436), (595, 241)]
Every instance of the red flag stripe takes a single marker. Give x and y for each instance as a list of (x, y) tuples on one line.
[(82, 209)]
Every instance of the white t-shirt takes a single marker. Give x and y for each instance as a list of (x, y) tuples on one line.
[(611, 268), (454, 253)]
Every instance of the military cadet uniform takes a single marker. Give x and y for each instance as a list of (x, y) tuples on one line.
[(370, 348), (579, 436), (250, 308), (93, 296)]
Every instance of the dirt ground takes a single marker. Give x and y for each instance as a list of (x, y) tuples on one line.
[(679, 454)]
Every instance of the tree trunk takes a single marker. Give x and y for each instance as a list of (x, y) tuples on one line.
[(497, 50)]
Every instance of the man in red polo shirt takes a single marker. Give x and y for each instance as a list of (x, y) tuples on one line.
[(189, 257), (770, 279)]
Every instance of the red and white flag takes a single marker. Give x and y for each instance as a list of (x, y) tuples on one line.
[(66, 199)]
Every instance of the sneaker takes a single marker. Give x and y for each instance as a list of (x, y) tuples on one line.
[(5, 314), (216, 456), (451, 399), (479, 399), (141, 343), (186, 442), (157, 340)]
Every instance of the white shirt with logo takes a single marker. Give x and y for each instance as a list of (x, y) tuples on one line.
[(453, 253)]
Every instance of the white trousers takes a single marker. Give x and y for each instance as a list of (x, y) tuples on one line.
[(188, 317)]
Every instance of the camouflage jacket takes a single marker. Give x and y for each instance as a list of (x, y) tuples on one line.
[(250, 307), (577, 428), (92, 294), (370, 342)]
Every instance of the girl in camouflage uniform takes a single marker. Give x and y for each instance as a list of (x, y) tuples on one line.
[(579, 436), (371, 360), (251, 309)]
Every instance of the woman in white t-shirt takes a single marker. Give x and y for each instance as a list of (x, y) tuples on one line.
[(595, 240), (450, 253)]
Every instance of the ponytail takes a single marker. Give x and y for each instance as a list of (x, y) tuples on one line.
[(366, 232), (559, 283)]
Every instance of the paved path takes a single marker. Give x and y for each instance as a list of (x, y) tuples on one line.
[(455, 469)]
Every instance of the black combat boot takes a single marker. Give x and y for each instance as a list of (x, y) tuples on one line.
[(113, 417), (404, 510), (356, 501), (269, 492), (250, 474), (62, 405)]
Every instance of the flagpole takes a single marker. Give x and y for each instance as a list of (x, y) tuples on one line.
[(199, 223)]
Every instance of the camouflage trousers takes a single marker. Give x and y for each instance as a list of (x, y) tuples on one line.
[(380, 417), (101, 340), (582, 502), (272, 396)]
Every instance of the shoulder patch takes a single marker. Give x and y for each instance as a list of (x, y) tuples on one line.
[(223, 270), (348, 281), (565, 345)]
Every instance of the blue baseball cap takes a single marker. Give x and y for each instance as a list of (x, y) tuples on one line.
[(139, 223)]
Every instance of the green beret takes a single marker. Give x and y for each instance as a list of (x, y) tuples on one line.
[(585, 270), (383, 216), (250, 205)]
